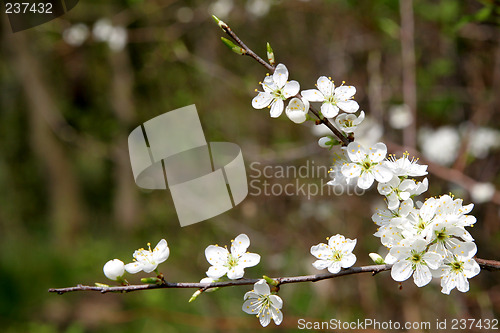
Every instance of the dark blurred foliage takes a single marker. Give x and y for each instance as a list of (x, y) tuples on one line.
[(68, 200)]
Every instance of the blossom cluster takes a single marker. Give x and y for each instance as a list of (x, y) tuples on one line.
[(261, 301), (424, 239), (277, 89)]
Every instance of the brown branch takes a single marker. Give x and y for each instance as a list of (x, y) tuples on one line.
[(342, 138), (490, 265), (281, 280)]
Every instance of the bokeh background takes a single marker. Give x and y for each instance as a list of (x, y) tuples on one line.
[(428, 77)]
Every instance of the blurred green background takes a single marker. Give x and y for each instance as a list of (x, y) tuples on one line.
[(68, 100)]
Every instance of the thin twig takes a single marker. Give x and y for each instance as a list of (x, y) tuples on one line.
[(240, 282), (343, 139), (490, 265)]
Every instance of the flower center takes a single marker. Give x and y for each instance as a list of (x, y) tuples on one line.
[(337, 255), (232, 261), (457, 266), (421, 224), (416, 257), (441, 236), (278, 94)]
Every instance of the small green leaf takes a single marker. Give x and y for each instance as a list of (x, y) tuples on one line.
[(233, 47), (151, 280), (270, 281), (102, 285), (195, 295)]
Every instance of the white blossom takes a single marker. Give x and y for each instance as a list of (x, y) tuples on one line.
[(277, 88), (482, 192), (441, 145), (297, 110), (349, 122), (405, 167), (455, 272), (413, 259), (397, 190), (336, 255), (261, 303), (340, 158), (148, 260), (231, 263), (333, 98), (400, 116), (366, 165)]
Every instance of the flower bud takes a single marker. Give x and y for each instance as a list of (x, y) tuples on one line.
[(114, 269), (377, 258), (325, 142), (270, 55)]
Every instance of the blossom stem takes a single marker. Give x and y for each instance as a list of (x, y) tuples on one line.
[(491, 265), (345, 140)]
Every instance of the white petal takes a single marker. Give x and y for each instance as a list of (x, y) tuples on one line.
[(321, 264), (422, 275), (262, 100), (133, 267), (277, 108), (161, 252), (261, 287), (277, 315), (313, 95), (321, 251), (344, 92), (377, 152), (236, 272), (269, 85), (276, 301), (216, 272), (348, 260), (381, 173), (148, 267), (240, 245), (334, 267), (296, 116), (251, 306), (216, 255), (349, 245), (291, 89), (280, 75), (360, 119), (264, 318), (401, 271), (329, 110), (249, 259), (325, 85), (356, 152), (351, 170), (365, 180), (462, 283), (349, 106)]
